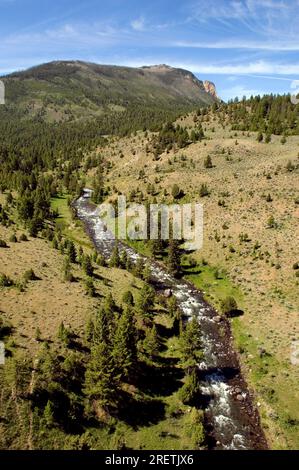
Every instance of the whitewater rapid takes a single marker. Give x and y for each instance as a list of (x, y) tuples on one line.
[(233, 420)]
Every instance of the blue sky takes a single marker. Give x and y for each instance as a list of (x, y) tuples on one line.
[(245, 46)]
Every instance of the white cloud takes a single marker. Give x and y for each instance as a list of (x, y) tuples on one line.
[(250, 45), (237, 9), (260, 67), (138, 24)]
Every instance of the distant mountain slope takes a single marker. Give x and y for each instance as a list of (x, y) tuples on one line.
[(67, 90)]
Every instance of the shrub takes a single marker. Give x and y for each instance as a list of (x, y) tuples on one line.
[(268, 138), (29, 275), (203, 191), (296, 265), (176, 192), (23, 237), (13, 238), (5, 281), (260, 137), (228, 305), (128, 298), (208, 162), (3, 244), (271, 222), (290, 166)]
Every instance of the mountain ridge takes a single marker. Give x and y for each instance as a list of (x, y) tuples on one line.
[(65, 90)]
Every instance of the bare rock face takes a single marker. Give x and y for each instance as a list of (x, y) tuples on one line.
[(211, 89)]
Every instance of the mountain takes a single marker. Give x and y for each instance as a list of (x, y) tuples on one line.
[(68, 90)]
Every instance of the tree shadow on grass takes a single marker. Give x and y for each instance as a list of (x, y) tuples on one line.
[(161, 380), (142, 412), (235, 313)]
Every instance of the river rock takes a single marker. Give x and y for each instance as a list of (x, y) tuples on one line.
[(239, 397), (167, 293)]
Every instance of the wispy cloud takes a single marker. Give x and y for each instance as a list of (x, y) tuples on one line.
[(138, 24), (237, 44), (265, 18), (258, 68)]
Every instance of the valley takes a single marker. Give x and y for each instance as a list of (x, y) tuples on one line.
[(104, 331)]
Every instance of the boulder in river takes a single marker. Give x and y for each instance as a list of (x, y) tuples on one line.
[(167, 293)]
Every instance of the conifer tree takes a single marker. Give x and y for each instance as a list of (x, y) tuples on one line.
[(146, 299), (102, 326), (190, 391), (71, 251), (87, 266), (174, 257), (151, 344), (49, 414), (115, 258), (100, 377), (190, 344), (124, 344)]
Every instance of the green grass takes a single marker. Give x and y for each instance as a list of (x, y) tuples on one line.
[(72, 229), (215, 289), (267, 375)]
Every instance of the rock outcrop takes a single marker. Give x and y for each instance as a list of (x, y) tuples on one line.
[(211, 89)]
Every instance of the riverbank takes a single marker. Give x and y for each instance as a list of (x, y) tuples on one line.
[(231, 412)]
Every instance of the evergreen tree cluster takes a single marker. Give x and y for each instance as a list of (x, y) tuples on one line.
[(270, 114)]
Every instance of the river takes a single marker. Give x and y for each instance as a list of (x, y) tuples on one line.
[(232, 418)]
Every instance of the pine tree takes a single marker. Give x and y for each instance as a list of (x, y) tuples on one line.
[(151, 344), (190, 344), (89, 330), (139, 267), (124, 344), (115, 258), (89, 287), (49, 414), (103, 325), (146, 275), (174, 257), (110, 305), (67, 272), (146, 299), (123, 259), (64, 335), (100, 377), (71, 251), (87, 266), (190, 391)]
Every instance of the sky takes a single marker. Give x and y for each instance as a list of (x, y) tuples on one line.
[(246, 47)]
